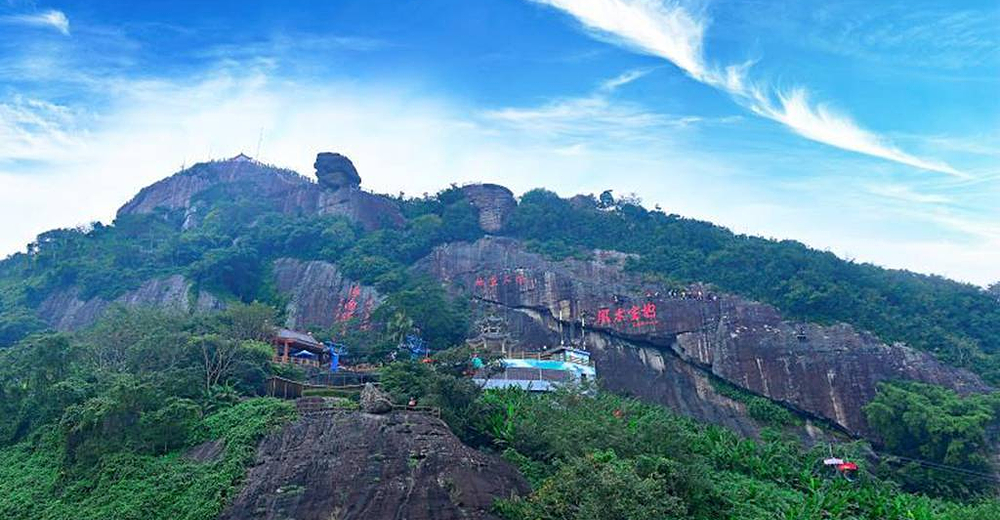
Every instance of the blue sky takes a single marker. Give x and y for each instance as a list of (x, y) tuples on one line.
[(870, 129)]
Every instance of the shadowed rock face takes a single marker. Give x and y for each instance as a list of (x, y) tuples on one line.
[(334, 171), (64, 310), (828, 372), (285, 190), (494, 203), (320, 296), (352, 465)]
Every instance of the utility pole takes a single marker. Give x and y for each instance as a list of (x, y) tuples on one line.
[(260, 137)]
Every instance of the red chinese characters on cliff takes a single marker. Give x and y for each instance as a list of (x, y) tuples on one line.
[(634, 315), (349, 306), (492, 281)]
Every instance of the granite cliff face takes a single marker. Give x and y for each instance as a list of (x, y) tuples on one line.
[(285, 190), (353, 465), (319, 296), (662, 344), (64, 310)]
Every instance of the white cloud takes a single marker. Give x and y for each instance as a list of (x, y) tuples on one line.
[(903, 193), (598, 116), (52, 19), (660, 28), (820, 123), (31, 129), (669, 30), (623, 79), (582, 117)]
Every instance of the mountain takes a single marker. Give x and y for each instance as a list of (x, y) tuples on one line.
[(753, 335)]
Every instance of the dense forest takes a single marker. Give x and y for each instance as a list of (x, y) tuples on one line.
[(97, 423)]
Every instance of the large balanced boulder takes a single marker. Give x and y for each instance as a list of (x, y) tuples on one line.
[(335, 171)]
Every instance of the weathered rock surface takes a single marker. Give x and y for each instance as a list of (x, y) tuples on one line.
[(284, 190), (827, 372), (335, 171), (353, 465), (495, 204), (64, 310), (372, 400), (180, 190), (319, 295)]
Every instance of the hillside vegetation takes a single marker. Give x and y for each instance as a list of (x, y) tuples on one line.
[(229, 253), (96, 423)]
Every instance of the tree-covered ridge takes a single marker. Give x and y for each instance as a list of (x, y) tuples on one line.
[(958, 322), (229, 251)]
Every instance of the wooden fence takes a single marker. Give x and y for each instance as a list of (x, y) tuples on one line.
[(289, 389)]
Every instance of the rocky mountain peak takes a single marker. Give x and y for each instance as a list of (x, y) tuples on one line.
[(284, 190)]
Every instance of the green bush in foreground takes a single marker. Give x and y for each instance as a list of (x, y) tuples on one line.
[(607, 457), (125, 485)]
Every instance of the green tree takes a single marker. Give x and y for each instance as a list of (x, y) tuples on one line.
[(250, 322), (932, 423), (603, 486)]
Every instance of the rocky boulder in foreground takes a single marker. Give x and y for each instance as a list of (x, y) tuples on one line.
[(353, 466)]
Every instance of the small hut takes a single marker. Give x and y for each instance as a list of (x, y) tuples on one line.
[(299, 348)]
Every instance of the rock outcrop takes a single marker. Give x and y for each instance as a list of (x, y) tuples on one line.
[(181, 189), (284, 190), (648, 338), (64, 310), (495, 204), (334, 171), (372, 400), (320, 296), (353, 465)]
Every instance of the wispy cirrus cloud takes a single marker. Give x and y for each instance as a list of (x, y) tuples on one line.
[(597, 116), (623, 79), (906, 194), (669, 30), (945, 38), (47, 19), (31, 129)]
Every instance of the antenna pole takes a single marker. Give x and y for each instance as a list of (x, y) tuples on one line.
[(260, 137)]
